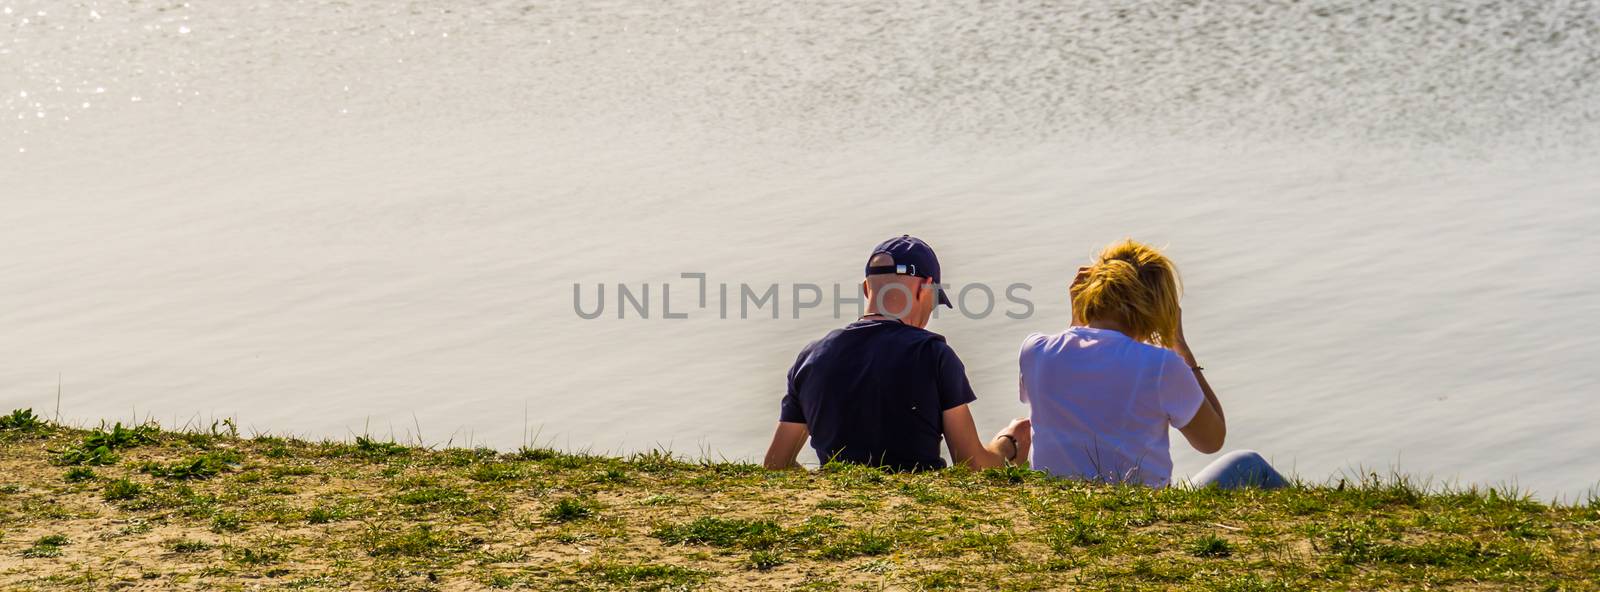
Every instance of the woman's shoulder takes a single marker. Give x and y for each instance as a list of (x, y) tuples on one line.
[(1037, 340), (1033, 346), (1097, 341), (1152, 353)]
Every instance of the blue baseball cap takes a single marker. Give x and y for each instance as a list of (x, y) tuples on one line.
[(911, 257)]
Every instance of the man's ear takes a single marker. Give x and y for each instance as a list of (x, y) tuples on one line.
[(866, 289)]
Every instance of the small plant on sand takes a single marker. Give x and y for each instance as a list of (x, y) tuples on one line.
[(1077, 532), (373, 448), (644, 576), (205, 466), (494, 472), (99, 446), (253, 555), (657, 461), (47, 546), (568, 509), (186, 545), (724, 532), (21, 420), (420, 541), (447, 499), (79, 475), (536, 454), (122, 489), (121, 437), (99, 456), (324, 514), (765, 559), (856, 544), (226, 522), (1210, 545)]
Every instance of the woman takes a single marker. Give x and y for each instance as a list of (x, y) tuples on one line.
[(1104, 391)]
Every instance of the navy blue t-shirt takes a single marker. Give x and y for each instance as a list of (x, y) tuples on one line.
[(874, 392)]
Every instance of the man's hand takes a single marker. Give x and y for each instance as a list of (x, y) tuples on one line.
[(961, 433), (1020, 431)]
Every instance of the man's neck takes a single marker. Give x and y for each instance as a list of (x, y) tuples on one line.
[(878, 316)]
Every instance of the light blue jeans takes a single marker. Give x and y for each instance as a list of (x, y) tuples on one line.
[(1237, 470)]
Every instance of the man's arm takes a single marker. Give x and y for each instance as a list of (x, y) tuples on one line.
[(787, 441), (961, 433)]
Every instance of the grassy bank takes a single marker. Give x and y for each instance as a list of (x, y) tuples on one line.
[(141, 508)]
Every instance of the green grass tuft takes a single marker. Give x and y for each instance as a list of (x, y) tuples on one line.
[(78, 455), (568, 509), (227, 522), (47, 546), (186, 546), (495, 472), (21, 420), (1210, 545), (324, 514), (204, 466), (612, 476), (1079, 531), (724, 532), (422, 540), (644, 576), (765, 559), (119, 437), (536, 454), (253, 555), (98, 447), (858, 543), (431, 495), (374, 449), (657, 462), (122, 489)]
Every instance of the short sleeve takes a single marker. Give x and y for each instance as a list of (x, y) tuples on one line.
[(954, 390), (789, 410), (1178, 390), (1024, 358)]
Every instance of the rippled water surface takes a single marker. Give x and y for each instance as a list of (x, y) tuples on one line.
[(327, 218)]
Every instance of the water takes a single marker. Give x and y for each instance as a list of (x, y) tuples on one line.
[(327, 218)]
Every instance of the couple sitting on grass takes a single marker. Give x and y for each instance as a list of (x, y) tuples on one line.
[(883, 391)]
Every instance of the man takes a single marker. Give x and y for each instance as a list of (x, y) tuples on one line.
[(883, 391)]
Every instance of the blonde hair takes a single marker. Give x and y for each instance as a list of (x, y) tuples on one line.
[(1134, 284)]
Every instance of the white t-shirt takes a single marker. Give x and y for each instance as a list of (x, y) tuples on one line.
[(1102, 403)]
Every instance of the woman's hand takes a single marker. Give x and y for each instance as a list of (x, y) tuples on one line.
[(1181, 343), (1021, 433), (1072, 293)]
